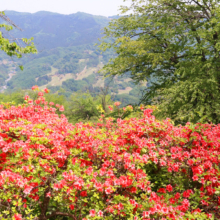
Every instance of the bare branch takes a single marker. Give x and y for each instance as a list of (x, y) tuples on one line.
[(4, 17), (60, 214)]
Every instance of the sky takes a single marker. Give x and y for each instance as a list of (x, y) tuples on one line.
[(95, 7)]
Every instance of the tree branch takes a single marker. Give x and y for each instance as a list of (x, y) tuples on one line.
[(195, 1), (4, 17), (57, 213)]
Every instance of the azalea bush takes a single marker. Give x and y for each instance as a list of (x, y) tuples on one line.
[(136, 168)]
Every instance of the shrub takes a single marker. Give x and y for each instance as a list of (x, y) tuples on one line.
[(131, 169)]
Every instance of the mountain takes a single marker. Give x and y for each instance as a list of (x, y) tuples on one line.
[(67, 58), (52, 30)]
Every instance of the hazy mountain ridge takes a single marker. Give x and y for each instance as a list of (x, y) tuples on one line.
[(51, 30)]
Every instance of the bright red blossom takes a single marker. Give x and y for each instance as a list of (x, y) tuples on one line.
[(17, 217), (131, 167)]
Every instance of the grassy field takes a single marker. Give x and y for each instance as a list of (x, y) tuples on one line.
[(124, 91), (53, 71), (57, 79)]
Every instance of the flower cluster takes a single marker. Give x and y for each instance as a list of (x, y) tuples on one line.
[(132, 169)]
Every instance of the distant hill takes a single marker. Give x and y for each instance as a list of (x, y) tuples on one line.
[(51, 30), (67, 56)]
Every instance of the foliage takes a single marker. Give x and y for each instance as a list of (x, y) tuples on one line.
[(15, 98), (127, 99), (133, 169), (14, 47), (74, 85), (115, 112), (83, 107), (174, 45)]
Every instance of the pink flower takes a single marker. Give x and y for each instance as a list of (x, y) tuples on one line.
[(17, 217), (146, 214), (169, 169), (30, 101), (169, 188), (110, 108), (37, 101), (71, 206), (46, 90), (148, 112), (186, 203), (83, 194), (117, 103), (100, 213), (108, 190), (92, 213), (209, 215), (26, 97), (187, 193), (204, 202), (195, 178), (40, 94), (133, 202), (61, 109), (164, 210), (27, 189), (48, 194), (190, 162), (34, 88)]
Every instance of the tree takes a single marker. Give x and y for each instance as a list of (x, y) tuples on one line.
[(15, 98), (14, 47), (84, 107), (175, 46)]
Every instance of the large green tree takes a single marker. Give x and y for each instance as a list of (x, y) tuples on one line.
[(10, 45), (175, 46)]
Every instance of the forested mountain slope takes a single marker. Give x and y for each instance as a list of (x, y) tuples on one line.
[(67, 56), (52, 30)]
